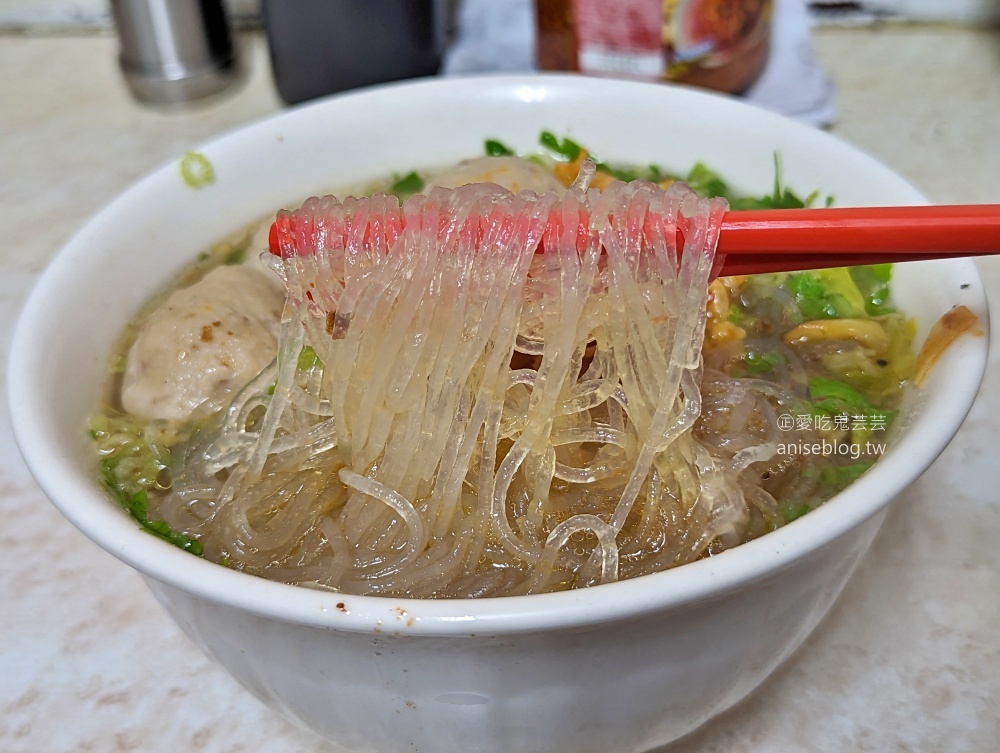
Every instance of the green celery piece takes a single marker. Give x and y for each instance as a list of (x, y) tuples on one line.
[(656, 174), (652, 173), (308, 359), (811, 296), (407, 185), (784, 200), (139, 505), (833, 396), (132, 466), (99, 425), (121, 475), (845, 294), (780, 198), (792, 511), (842, 476), (777, 177), (496, 148), (706, 182), (901, 357), (160, 529), (237, 256), (618, 173), (873, 283), (827, 294), (762, 363), (566, 147), (117, 363)]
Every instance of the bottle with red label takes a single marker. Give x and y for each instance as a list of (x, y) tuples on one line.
[(716, 44)]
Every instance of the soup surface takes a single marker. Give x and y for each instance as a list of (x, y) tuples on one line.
[(520, 380)]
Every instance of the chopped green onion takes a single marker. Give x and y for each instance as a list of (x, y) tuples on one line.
[(496, 148), (563, 148), (618, 173), (196, 170), (160, 529), (706, 182), (408, 185), (128, 469)]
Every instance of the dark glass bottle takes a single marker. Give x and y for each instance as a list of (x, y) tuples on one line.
[(324, 46), (716, 44)]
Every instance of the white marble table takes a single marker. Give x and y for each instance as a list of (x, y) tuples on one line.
[(909, 659)]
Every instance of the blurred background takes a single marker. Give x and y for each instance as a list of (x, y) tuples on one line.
[(760, 49), (907, 661)]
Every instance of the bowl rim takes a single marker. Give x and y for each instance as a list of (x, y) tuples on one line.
[(97, 517)]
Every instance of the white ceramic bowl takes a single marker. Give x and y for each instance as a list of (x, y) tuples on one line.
[(622, 667)]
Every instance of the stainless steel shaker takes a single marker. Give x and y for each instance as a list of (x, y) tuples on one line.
[(175, 51)]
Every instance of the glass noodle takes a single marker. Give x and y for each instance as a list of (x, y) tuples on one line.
[(408, 457), (484, 393)]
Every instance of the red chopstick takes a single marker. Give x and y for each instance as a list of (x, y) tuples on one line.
[(784, 240), (778, 240)]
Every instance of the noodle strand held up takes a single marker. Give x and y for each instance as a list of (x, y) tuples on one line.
[(476, 394)]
